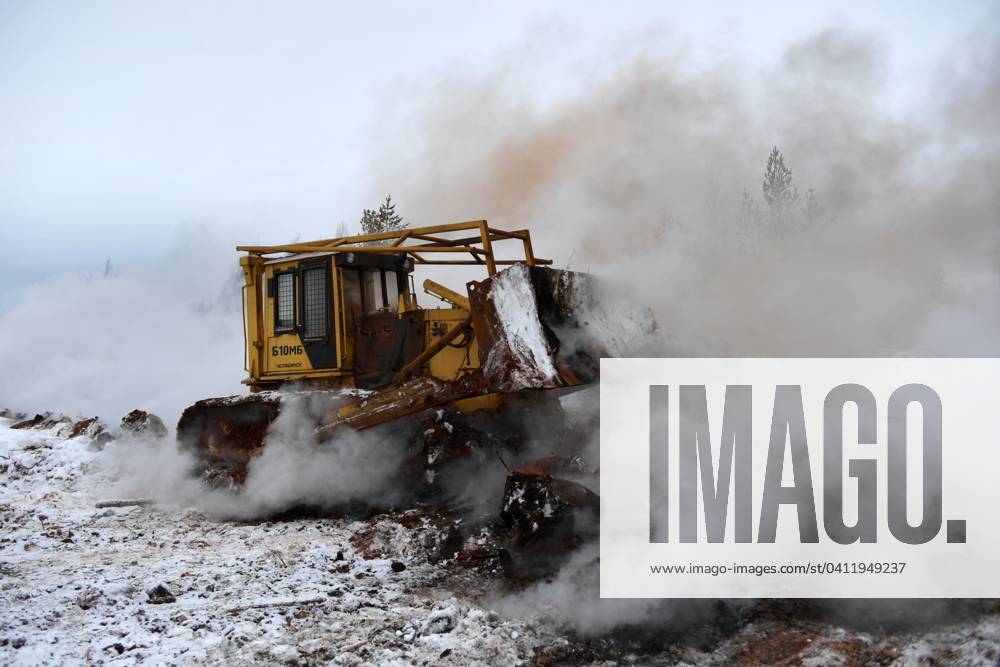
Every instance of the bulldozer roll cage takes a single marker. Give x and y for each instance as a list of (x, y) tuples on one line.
[(424, 244), (343, 311)]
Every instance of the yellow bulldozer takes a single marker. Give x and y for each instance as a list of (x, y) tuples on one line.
[(342, 316)]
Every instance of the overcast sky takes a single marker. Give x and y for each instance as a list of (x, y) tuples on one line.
[(120, 121)]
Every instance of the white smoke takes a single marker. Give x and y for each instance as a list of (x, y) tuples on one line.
[(297, 468), (156, 336)]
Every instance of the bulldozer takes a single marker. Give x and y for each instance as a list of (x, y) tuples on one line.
[(341, 317)]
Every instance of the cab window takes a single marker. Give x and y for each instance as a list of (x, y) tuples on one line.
[(391, 290), (314, 303), (379, 290), (284, 302), (351, 281), (371, 290)]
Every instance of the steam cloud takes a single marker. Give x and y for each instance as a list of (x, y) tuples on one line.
[(157, 336), (296, 469)]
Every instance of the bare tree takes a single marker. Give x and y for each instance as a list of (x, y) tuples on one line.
[(811, 208), (750, 218)]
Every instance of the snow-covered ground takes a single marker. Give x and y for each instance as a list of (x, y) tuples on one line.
[(74, 581), (75, 586)]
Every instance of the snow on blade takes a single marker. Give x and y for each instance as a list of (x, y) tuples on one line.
[(517, 314)]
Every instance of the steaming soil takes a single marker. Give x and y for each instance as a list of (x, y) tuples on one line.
[(171, 586)]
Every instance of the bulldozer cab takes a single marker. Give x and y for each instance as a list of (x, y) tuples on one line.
[(380, 315), (298, 330), (337, 312), (344, 313)]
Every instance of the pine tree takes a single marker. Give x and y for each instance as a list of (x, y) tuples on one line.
[(785, 210), (385, 219), (779, 192)]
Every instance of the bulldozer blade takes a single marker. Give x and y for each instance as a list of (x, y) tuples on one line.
[(225, 433), (543, 328)]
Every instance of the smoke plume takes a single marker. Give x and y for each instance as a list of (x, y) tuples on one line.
[(639, 178)]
